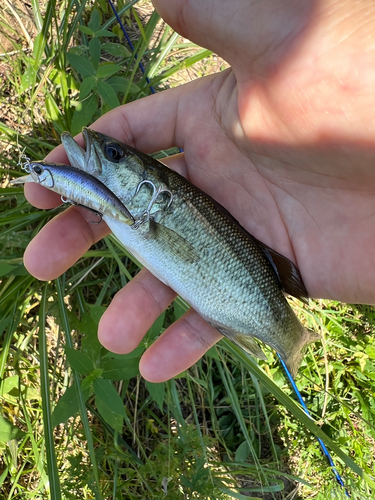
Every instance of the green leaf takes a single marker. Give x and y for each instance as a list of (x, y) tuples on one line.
[(78, 50), (121, 84), (39, 44), (8, 384), (5, 268), (95, 49), (96, 312), (157, 392), (156, 328), (28, 78), (85, 29), (116, 49), (109, 403), (370, 351), (117, 31), (86, 87), (83, 114), (242, 452), (108, 95), (89, 328), (8, 431), (52, 468), (79, 361), (81, 64), (186, 63), (68, 405), (94, 22), (54, 114), (119, 369), (104, 33), (212, 353), (107, 70), (87, 383)]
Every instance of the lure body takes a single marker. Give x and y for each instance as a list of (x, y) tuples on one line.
[(73, 185)]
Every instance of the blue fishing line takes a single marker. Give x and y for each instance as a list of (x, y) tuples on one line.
[(291, 380), (130, 43), (322, 445)]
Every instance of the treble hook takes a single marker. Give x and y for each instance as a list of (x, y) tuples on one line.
[(146, 214)]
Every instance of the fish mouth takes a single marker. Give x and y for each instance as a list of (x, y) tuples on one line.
[(84, 159), (88, 142)]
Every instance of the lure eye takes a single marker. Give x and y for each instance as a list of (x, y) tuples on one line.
[(114, 151), (37, 169)]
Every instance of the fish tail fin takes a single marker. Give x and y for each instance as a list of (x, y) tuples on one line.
[(293, 359)]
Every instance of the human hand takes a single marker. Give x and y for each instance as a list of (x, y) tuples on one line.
[(284, 140)]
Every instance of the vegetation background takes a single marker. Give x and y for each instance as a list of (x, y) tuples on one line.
[(77, 421)]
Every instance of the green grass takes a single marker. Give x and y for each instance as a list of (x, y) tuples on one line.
[(79, 422)]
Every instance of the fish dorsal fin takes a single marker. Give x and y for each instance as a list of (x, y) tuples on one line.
[(288, 274)]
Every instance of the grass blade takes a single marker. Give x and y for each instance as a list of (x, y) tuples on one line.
[(77, 382), (53, 474)]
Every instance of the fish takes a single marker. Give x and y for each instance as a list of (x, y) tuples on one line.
[(195, 246)]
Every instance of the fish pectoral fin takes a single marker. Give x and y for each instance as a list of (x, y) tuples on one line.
[(288, 274), (176, 244), (246, 342)]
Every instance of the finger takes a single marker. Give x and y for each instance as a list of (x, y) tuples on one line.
[(62, 242), (132, 312), (178, 348)]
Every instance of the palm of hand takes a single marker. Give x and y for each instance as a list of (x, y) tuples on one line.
[(279, 153), (313, 201)]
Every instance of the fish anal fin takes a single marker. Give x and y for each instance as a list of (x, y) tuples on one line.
[(246, 342), (288, 274)]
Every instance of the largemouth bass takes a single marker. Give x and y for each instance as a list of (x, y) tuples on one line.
[(192, 244)]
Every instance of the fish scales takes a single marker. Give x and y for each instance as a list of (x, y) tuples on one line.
[(240, 287)]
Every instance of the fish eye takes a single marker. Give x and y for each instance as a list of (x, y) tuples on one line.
[(114, 151), (37, 169)]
